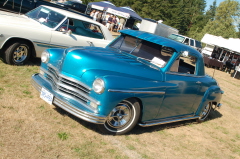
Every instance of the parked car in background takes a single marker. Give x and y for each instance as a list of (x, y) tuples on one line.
[(139, 78), (19, 6), (186, 40), (22, 36), (75, 5), (24, 6)]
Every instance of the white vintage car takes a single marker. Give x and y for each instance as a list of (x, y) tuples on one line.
[(23, 36)]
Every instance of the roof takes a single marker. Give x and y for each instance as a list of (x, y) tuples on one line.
[(179, 47), (71, 14), (132, 13)]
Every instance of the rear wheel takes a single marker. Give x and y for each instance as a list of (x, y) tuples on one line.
[(122, 118), (17, 53), (205, 112)]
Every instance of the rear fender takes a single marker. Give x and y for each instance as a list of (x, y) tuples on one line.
[(212, 95)]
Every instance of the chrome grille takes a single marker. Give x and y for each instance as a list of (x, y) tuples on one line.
[(68, 86)]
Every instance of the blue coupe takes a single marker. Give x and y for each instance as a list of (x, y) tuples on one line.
[(139, 78)]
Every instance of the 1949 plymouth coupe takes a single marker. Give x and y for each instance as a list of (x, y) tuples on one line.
[(139, 78), (22, 36)]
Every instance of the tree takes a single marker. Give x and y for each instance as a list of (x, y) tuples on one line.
[(223, 23), (210, 14)]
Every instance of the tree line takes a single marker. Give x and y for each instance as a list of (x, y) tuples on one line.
[(189, 16)]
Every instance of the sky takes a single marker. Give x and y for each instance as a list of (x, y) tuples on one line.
[(210, 2)]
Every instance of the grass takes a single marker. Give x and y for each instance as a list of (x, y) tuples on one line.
[(30, 128)]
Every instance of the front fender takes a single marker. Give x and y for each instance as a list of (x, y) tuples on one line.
[(119, 87), (213, 95)]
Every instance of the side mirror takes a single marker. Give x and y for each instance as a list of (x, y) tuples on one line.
[(69, 32)]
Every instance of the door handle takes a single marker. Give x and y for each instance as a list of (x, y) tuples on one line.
[(198, 82)]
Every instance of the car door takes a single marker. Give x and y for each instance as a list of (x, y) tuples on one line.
[(82, 34), (180, 99)]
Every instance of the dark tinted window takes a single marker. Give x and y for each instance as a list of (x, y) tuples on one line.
[(192, 42), (198, 44)]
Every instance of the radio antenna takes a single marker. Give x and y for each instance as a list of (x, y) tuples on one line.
[(213, 72)]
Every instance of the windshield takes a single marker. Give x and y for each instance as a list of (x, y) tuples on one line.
[(154, 53), (46, 16), (176, 37), (68, 3)]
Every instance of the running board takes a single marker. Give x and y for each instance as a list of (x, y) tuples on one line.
[(166, 121)]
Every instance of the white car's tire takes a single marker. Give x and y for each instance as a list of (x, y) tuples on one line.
[(17, 53)]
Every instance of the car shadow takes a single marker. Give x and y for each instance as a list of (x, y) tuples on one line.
[(34, 62), (30, 62), (84, 123), (140, 130), (137, 130)]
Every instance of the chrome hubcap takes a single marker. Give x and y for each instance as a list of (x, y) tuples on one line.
[(20, 54), (119, 116), (205, 111)]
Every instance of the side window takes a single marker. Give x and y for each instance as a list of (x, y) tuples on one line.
[(191, 42), (185, 65), (186, 41), (82, 28), (198, 44)]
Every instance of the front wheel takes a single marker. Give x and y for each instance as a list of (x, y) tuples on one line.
[(122, 118), (17, 53), (205, 112)]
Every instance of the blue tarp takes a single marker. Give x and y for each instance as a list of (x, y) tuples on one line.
[(104, 4), (107, 4), (132, 13)]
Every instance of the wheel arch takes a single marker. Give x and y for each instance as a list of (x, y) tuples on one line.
[(213, 96), (16, 39), (140, 104)]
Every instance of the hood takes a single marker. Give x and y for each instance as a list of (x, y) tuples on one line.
[(79, 60), (18, 20)]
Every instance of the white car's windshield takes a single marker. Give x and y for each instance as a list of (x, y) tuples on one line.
[(154, 53), (46, 16), (176, 37)]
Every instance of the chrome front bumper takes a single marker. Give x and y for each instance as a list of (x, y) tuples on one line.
[(38, 82)]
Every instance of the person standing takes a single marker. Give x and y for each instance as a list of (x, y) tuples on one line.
[(92, 13), (121, 23), (114, 22), (109, 22), (95, 15), (99, 17)]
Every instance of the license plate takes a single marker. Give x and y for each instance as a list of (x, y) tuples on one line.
[(47, 96)]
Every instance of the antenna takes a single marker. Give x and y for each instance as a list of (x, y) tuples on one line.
[(20, 7), (213, 71), (5, 2)]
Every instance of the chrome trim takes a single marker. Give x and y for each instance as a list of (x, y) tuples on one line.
[(61, 87), (70, 79), (166, 121), (48, 45), (57, 101), (184, 74), (129, 91)]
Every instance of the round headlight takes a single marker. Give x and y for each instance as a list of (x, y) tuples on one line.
[(45, 57), (98, 85)]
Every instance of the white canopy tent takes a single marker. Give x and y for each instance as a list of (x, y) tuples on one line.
[(228, 44)]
